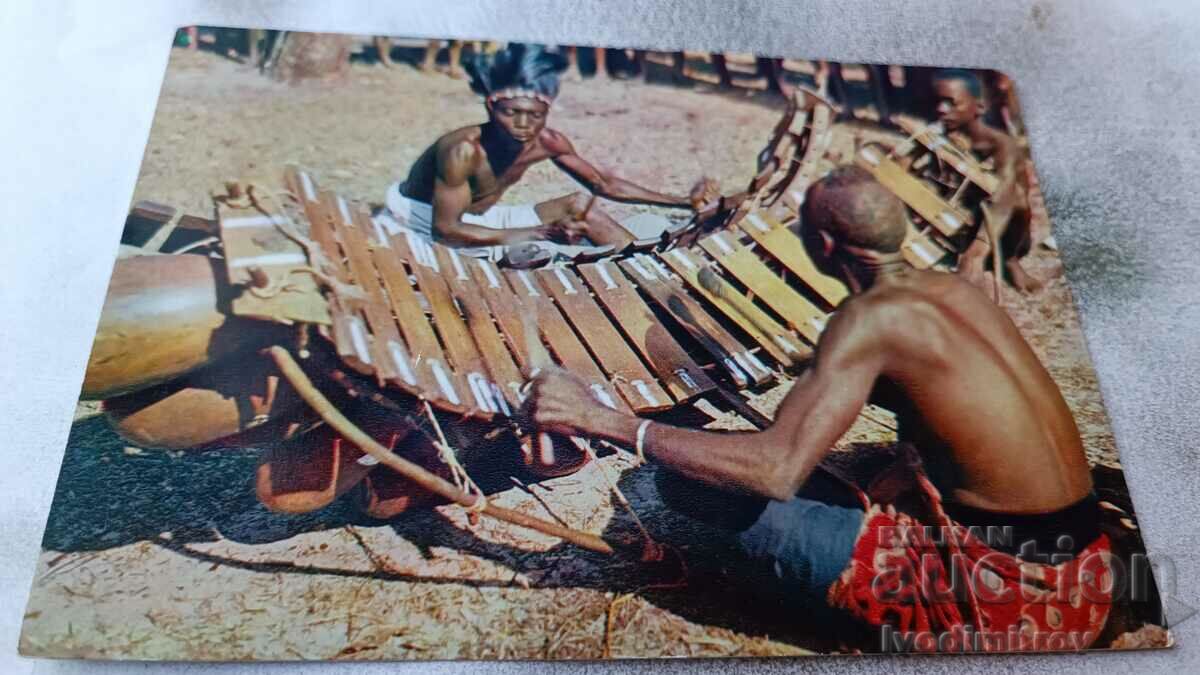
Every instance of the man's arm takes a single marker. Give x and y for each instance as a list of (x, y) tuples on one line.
[(452, 196), (613, 187), (998, 207), (1005, 166), (772, 463)]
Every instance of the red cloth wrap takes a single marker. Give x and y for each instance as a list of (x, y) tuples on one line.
[(899, 578)]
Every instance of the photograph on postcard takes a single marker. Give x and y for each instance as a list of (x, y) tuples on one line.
[(471, 349)]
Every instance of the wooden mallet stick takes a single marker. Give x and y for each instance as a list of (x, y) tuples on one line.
[(429, 481)]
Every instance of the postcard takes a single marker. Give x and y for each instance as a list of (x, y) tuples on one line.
[(466, 349)]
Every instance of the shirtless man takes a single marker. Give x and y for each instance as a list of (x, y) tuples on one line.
[(452, 189), (960, 108), (992, 429)]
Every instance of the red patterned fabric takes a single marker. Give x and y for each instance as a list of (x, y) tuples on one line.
[(900, 579)]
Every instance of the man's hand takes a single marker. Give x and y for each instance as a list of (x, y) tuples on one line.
[(572, 227), (566, 230), (704, 192), (562, 403)]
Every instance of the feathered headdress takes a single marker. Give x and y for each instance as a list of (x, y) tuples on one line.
[(519, 70)]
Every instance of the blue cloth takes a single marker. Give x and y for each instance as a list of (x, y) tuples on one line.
[(802, 545)]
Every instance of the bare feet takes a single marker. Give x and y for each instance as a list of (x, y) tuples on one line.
[(573, 75), (1021, 280), (456, 73)]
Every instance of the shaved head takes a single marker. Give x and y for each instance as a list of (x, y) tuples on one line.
[(855, 209)]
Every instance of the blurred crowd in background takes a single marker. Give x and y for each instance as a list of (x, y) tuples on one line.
[(860, 91)]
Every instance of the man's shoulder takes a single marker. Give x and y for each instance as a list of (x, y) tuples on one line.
[(460, 146), (997, 142), (887, 308), (555, 141)]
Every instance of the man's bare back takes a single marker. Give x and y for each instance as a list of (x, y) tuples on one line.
[(978, 392), (967, 388)]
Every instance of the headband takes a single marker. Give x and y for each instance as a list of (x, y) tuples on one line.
[(519, 92)]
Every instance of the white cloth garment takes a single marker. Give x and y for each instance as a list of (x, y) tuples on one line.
[(418, 217)]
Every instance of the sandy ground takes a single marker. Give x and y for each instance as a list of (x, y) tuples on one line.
[(168, 555)]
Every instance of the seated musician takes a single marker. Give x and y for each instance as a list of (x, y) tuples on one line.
[(452, 191), (992, 433), (960, 108)]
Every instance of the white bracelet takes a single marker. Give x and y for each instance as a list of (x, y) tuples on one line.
[(639, 444)]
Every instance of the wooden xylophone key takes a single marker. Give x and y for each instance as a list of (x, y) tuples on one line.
[(943, 216), (627, 373), (766, 331), (436, 379), (742, 366), (922, 251), (504, 379), (466, 364), (965, 164), (378, 313), (783, 245), (502, 304), (350, 332), (561, 339), (819, 137), (301, 184), (348, 328), (683, 378), (747, 268), (507, 308)]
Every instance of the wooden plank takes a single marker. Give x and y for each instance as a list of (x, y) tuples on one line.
[(349, 327), (788, 249), (457, 342), (505, 307), (787, 164), (470, 371), (951, 154), (432, 370), (742, 366), (153, 211), (368, 252), (922, 251), (625, 370), (820, 136), (376, 310), (251, 241), (508, 308), (943, 216), (559, 337), (793, 118), (504, 375), (741, 263), (683, 378), (773, 338), (301, 184)]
